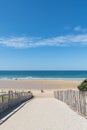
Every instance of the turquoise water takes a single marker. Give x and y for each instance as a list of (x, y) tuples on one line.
[(42, 74)]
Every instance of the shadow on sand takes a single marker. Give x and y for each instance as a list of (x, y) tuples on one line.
[(11, 111)]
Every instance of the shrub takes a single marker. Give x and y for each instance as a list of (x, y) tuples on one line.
[(83, 86)]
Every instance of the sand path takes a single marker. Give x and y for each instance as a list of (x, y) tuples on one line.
[(45, 114)]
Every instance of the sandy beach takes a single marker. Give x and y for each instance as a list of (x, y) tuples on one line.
[(44, 112), (35, 86), (39, 84)]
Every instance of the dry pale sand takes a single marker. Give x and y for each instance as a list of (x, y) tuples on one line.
[(39, 84), (49, 86), (45, 114), (35, 86)]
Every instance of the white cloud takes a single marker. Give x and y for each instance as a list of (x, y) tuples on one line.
[(28, 42), (80, 29)]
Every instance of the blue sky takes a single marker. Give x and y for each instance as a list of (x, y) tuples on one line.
[(43, 35)]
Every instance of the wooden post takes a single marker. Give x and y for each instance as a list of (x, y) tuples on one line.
[(86, 103), (2, 98), (9, 98)]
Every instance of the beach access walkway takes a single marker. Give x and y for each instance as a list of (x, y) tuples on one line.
[(45, 114)]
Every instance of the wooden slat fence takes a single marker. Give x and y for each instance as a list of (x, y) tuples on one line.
[(76, 99), (13, 98)]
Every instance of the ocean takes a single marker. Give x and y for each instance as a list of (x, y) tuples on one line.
[(14, 75)]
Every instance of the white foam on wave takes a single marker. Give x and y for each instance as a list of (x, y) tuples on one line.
[(37, 78)]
